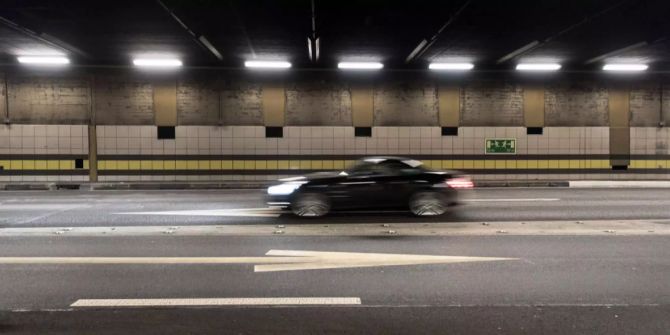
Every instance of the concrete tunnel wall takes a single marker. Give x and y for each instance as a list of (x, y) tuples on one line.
[(220, 119)]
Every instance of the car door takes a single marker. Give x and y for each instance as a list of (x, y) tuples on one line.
[(396, 185), (382, 186), (362, 189)]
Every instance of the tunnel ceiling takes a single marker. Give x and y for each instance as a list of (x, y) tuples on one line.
[(580, 34)]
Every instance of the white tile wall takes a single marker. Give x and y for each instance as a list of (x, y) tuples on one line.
[(649, 141), (44, 139), (250, 140)]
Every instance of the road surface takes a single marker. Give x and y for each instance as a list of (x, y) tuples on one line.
[(327, 282), (120, 208)]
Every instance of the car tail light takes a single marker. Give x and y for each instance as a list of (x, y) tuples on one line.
[(460, 182)]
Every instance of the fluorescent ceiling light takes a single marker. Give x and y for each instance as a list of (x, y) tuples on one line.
[(451, 66), (264, 64), (44, 60), (538, 67), (157, 62), (625, 67), (360, 65)]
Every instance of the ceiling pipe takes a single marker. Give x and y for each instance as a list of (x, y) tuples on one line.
[(539, 44), (43, 38), (625, 49), (517, 52), (616, 52), (201, 40), (424, 45)]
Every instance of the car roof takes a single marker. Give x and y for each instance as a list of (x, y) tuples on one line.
[(379, 159), (413, 163)]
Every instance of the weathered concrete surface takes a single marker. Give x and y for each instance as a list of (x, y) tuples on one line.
[(48, 100), (241, 103), (318, 103), (492, 103), (576, 104), (123, 100), (197, 102), (405, 104), (208, 99), (645, 105), (3, 97)]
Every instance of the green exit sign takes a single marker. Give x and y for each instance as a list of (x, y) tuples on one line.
[(501, 145)]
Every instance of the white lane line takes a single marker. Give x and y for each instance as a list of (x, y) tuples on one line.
[(284, 301), (37, 207), (512, 200), (48, 214)]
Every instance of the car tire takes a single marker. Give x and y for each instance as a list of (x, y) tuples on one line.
[(310, 205), (428, 204)]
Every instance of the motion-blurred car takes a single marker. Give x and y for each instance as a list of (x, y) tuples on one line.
[(372, 183)]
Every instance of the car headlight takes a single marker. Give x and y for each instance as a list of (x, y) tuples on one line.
[(283, 189)]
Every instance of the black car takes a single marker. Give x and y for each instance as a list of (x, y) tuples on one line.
[(373, 182)]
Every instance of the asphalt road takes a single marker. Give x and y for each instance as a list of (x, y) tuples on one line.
[(561, 284), (554, 285), (120, 208)]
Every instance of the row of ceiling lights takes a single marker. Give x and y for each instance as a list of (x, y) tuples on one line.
[(173, 62)]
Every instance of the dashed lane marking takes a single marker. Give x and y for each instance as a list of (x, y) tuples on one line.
[(512, 200)]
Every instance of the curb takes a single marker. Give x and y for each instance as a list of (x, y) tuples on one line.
[(548, 183), (619, 184), (171, 186)]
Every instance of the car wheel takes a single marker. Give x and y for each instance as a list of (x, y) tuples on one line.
[(428, 204), (310, 205)]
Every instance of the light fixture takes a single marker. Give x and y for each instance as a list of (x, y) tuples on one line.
[(44, 60), (451, 66), (157, 62), (266, 64), (360, 65), (538, 67), (625, 67)]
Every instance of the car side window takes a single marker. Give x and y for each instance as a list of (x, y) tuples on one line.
[(397, 168), (369, 169), (361, 169), (381, 170)]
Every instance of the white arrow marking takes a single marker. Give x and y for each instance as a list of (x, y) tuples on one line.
[(258, 212), (283, 301), (279, 260)]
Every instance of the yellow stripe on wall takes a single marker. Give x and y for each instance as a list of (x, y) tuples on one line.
[(40, 164), (316, 164), (341, 164), (28, 165), (16, 165), (52, 165)]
